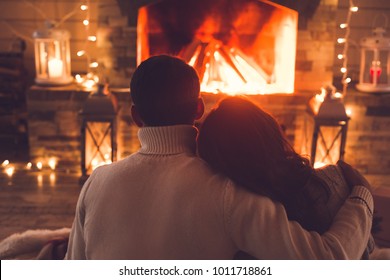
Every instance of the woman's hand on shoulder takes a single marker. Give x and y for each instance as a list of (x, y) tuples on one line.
[(353, 176)]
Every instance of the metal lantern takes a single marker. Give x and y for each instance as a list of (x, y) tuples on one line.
[(375, 63), (98, 132), (52, 56), (330, 128)]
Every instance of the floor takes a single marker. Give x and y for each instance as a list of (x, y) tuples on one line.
[(36, 199), (46, 199)]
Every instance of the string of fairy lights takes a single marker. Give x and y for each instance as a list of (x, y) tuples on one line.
[(345, 80), (90, 79)]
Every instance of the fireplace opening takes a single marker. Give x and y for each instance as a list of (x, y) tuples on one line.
[(237, 47)]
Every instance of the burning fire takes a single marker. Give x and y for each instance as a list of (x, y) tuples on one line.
[(229, 71), (246, 50)]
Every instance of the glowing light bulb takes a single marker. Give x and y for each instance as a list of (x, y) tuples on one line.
[(80, 53), (29, 165), (94, 64), (343, 25), (52, 163), (338, 95), (92, 38), (5, 163), (347, 80), (348, 111), (78, 78), (341, 40), (39, 165), (10, 170), (340, 56), (86, 22), (83, 7), (354, 9), (343, 70)]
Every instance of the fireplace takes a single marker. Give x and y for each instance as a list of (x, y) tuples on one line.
[(237, 47), (54, 124)]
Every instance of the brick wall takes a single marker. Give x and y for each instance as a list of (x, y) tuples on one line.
[(54, 125), (315, 48)]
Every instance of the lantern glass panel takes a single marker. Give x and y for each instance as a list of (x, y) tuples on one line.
[(328, 145), (52, 57), (375, 63), (98, 145)]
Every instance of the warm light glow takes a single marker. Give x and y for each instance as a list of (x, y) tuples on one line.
[(319, 164), (338, 95), (78, 78), (354, 9), (348, 111), (40, 180), (343, 70), (320, 97), (93, 64), (94, 163), (89, 84), (28, 165), (341, 40), (39, 165), (5, 163), (83, 7), (107, 156), (10, 170), (340, 56), (92, 38), (80, 53), (52, 163), (86, 22), (265, 65), (52, 179), (343, 25), (55, 67), (347, 80)]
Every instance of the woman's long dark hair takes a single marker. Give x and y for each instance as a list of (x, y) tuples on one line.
[(243, 142)]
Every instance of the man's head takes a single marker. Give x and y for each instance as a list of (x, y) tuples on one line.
[(165, 91)]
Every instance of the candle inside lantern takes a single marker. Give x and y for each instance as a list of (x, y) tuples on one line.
[(55, 68), (375, 71)]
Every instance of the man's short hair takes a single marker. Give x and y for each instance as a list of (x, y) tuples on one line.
[(165, 91)]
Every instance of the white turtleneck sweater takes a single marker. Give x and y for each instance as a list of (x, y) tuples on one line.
[(163, 202)]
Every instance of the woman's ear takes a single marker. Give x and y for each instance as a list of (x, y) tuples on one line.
[(136, 117), (199, 109)]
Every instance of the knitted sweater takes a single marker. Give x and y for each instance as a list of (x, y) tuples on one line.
[(163, 202)]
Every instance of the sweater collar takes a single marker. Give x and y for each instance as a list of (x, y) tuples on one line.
[(168, 140)]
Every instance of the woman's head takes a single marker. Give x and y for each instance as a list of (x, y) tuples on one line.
[(247, 144)]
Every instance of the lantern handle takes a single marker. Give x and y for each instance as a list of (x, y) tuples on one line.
[(374, 26)]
